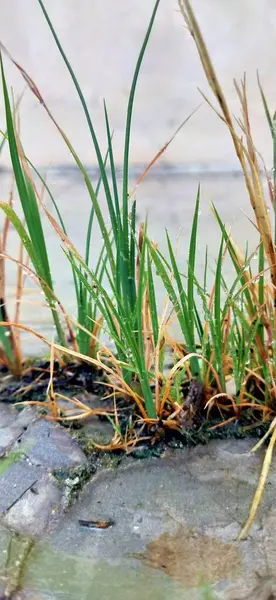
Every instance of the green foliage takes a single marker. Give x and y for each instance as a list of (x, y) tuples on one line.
[(124, 303)]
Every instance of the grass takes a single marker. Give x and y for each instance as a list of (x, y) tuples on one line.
[(32, 237), (123, 255), (10, 346), (228, 330), (259, 306)]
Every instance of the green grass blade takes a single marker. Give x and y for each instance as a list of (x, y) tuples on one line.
[(87, 116), (95, 202), (131, 275), (266, 109), (152, 302), (129, 115), (113, 171), (187, 317), (162, 272), (218, 341), (45, 185), (261, 287), (26, 192), (128, 133), (28, 200), (235, 262), (144, 381), (108, 310), (205, 270), (5, 339), (92, 213), (27, 242), (191, 271), (198, 324)]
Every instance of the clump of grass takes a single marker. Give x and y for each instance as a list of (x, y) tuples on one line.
[(254, 317), (129, 307), (228, 331), (127, 262)]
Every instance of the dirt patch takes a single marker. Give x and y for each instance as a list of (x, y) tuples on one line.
[(192, 558), (33, 384)]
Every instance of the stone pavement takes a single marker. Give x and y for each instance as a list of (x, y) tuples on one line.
[(181, 516), (33, 450), (176, 519)]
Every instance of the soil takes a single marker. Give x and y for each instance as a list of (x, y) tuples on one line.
[(78, 379), (35, 379)]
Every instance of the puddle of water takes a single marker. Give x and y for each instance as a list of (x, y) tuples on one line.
[(191, 558), (63, 577)]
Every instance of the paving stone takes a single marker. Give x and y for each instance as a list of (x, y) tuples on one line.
[(48, 444), (12, 424), (14, 481), (181, 516), (26, 416), (8, 436), (7, 414), (176, 522), (31, 514)]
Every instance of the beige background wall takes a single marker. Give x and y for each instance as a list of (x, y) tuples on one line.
[(102, 39)]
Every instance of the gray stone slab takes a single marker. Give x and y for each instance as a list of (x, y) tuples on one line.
[(8, 436), (14, 481), (176, 522), (26, 416), (181, 515), (12, 424), (7, 414), (50, 445), (31, 514)]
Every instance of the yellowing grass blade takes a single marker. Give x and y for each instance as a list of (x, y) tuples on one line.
[(260, 488)]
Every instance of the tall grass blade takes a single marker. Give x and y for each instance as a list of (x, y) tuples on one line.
[(191, 272), (217, 338), (272, 126), (152, 302), (88, 118), (31, 212), (128, 131)]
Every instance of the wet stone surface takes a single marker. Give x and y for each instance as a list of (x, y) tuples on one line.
[(15, 480), (176, 520), (13, 424), (181, 516), (32, 450), (35, 508), (48, 444)]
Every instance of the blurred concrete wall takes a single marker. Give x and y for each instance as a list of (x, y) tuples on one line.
[(102, 39)]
